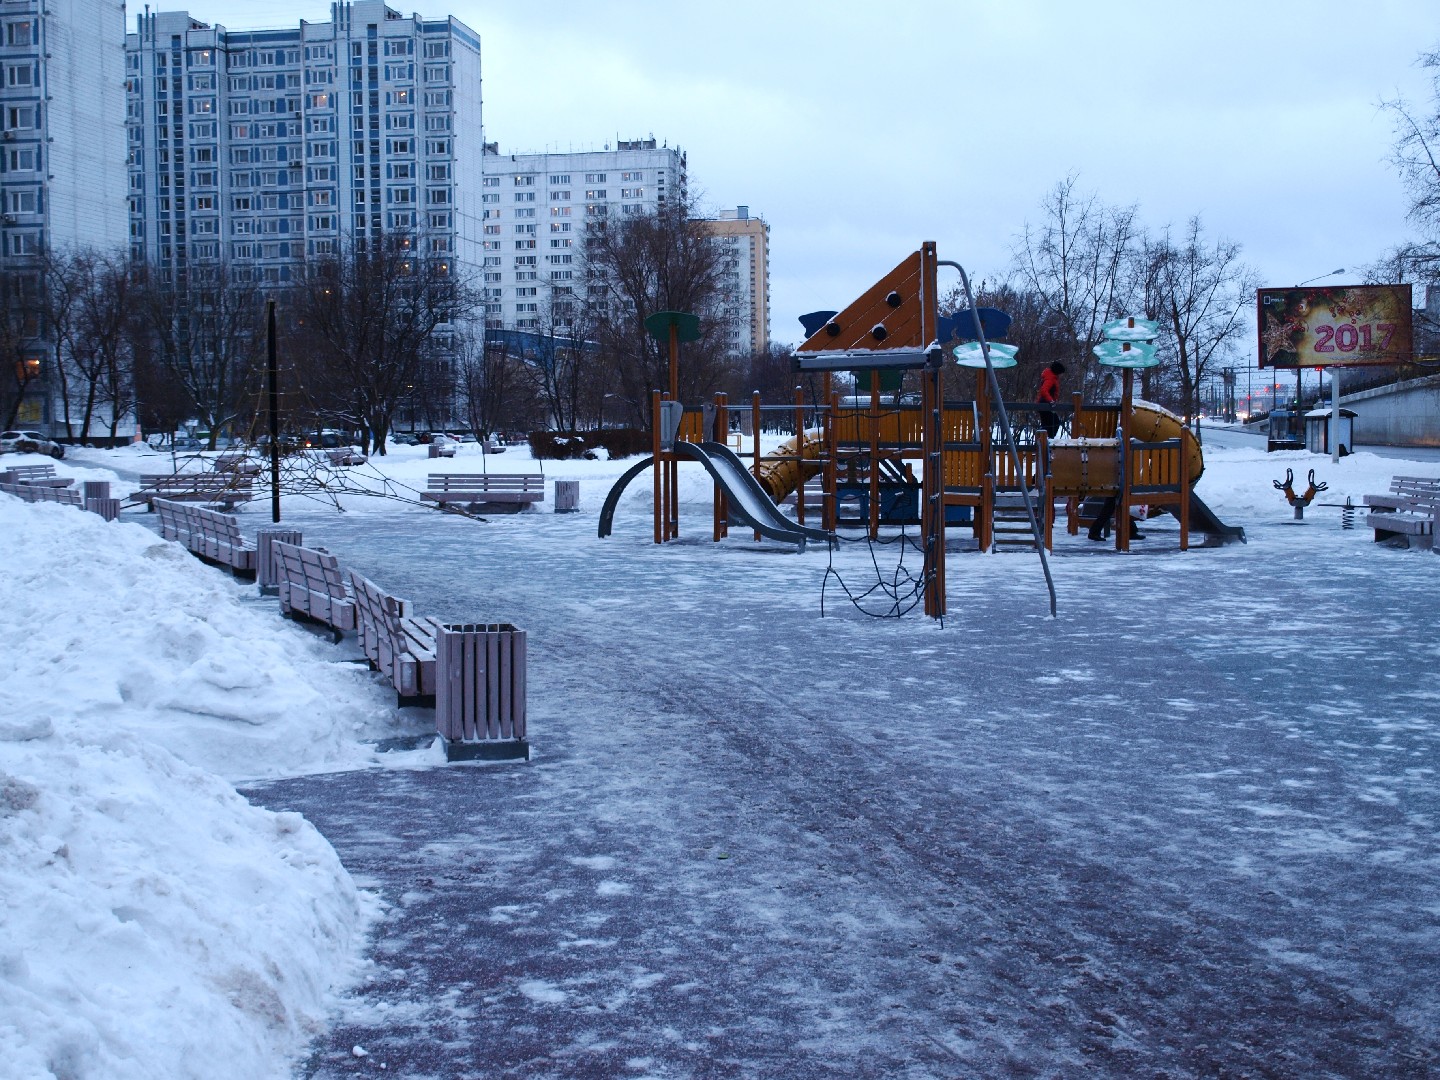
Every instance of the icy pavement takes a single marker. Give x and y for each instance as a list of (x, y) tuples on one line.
[(1185, 829)]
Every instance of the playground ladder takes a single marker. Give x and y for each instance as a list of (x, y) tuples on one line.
[(1010, 525)]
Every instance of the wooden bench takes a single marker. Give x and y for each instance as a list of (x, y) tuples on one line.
[(39, 475), (345, 455), (213, 536), (1404, 490), (223, 489), (399, 645), (238, 463), (485, 489), (1414, 522), (312, 588), (42, 493)]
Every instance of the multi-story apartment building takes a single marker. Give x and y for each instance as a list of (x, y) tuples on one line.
[(263, 147), (62, 182), (536, 207), (746, 242)]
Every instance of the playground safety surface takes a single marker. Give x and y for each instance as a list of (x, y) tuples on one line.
[(1172, 833)]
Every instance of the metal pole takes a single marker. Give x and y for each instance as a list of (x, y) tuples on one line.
[(1335, 416), (273, 377), (1009, 433)]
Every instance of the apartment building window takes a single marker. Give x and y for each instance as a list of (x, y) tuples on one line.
[(400, 195), (321, 124), (490, 181), (527, 291), (437, 48), (524, 181), (437, 99), (437, 123), (490, 245), (322, 247), (565, 243), (320, 101), (490, 197), (20, 32), (524, 245), (526, 309), (560, 211), (632, 193), (525, 275), (203, 179), (402, 146), (241, 203), (399, 47), (204, 81), (524, 196), (399, 97), (22, 202), (494, 276), (561, 260), (524, 260), (559, 196), (20, 74), (322, 148), (624, 176), (560, 226), (203, 202), (437, 146), (205, 226), (439, 221), (525, 230), (24, 159), (525, 212), (596, 210), (595, 178), (437, 196), (319, 52), (595, 193), (323, 222), (437, 73), (492, 230), (399, 72), (203, 130), (25, 243)]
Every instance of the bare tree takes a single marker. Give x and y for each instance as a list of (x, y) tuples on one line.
[(1200, 292), (1417, 158), (1076, 259), (207, 331), (99, 335), (661, 260), (497, 390), (20, 345), (370, 317)]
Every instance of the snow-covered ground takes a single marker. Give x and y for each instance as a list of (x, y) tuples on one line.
[(1255, 717)]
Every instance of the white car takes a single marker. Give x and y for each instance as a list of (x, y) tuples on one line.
[(29, 442)]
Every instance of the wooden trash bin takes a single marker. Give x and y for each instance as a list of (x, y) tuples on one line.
[(567, 496), (480, 691), (267, 567)]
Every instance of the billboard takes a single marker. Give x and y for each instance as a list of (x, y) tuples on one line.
[(1337, 326)]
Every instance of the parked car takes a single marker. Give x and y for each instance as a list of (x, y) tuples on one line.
[(29, 442), (403, 438)]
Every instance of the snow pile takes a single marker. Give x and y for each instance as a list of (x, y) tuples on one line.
[(154, 923)]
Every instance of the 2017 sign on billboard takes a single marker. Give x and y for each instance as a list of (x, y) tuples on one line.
[(1340, 326)]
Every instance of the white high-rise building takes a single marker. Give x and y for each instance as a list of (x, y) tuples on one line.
[(536, 207), (62, 177), (746, 242), (263, 147)]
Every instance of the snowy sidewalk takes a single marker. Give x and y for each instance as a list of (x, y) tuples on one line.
[(1187, 829)]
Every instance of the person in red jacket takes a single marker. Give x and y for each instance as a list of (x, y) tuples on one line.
[(1049, 394)]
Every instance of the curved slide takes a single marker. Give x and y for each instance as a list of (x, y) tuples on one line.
[(749, 502)]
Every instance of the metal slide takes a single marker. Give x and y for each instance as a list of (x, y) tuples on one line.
[(1203, 519), (748, 500)]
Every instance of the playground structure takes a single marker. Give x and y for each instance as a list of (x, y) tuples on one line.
[(934, 463)]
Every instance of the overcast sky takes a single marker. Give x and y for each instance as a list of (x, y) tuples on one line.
[(859, 130)]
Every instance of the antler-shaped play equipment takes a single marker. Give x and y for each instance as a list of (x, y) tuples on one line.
[(1299, 502)]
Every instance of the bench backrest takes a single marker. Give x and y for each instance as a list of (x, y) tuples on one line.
[(188, 482), (41, 493), (317, 571), (32, 472), (485, 482), (379, 616), (1414, 485)]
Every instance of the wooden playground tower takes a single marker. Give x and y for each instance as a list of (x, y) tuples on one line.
[(894, 327)]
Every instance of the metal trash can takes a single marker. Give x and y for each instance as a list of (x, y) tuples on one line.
[(567, 496), (267, 567), (480, 691)]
